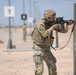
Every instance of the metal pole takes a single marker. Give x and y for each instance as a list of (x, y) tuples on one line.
[(74, 42), (9, 40), (30, 15), (23, 10), (34, 12), (23, 6), (57, 40), (24, 24)]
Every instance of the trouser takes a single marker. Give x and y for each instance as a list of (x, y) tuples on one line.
[(50, 61)]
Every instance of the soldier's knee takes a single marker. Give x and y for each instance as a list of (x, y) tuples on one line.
[(39, 71), (53, 71)]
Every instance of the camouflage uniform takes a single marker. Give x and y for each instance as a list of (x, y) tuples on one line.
[(42, 40)]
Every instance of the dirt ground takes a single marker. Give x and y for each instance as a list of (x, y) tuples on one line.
[(19, 61)]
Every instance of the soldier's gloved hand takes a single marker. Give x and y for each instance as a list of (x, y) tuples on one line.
[(58, 28)]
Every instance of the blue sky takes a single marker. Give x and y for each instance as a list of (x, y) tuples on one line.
[(62, 7)]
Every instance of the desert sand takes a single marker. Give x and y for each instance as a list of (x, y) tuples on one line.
[(19, 61)]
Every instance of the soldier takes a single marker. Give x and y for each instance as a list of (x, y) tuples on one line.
[(42, 40)]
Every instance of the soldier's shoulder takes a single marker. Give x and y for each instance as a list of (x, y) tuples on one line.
[(40, 23)]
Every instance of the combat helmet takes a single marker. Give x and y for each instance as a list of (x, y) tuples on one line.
[(49, 13)]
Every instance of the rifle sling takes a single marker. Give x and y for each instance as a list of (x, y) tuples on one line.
[(69, 37)]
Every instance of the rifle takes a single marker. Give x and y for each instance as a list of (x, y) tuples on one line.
[(61, 21)]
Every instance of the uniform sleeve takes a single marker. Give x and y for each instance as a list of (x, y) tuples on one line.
[(57, 27), (43, 31)]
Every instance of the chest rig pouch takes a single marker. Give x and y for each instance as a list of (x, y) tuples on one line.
[(49, 40)]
